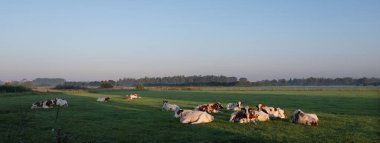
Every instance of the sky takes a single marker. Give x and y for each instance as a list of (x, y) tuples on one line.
[(271, 39)]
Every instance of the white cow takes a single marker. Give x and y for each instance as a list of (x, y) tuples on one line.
[(169, 107), (132, 96), (193, 117), (300, 117), (62, 102), (272, 112), (103, 99), (234, 106)]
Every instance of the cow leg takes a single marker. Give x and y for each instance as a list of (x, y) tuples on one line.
[(232, 118), (185, 121)]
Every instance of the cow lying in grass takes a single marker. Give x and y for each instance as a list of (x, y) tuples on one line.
[(193, 117), (209, 108), (262, 116), (103, 99), (132, 96), (234, 106), (50, 103), (300, 117), (245, 115), (169, 107), (271, 111)]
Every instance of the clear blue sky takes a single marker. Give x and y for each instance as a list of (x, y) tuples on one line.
[(97, 40)]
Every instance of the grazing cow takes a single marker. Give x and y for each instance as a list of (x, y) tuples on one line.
[(245, 115), (234, 106), (300, 117), (132, 96), (49, 103), (272, 112), (193, 117), (209, 108), (169, 107), (103, 99)]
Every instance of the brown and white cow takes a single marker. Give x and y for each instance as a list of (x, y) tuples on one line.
[(272, 112), (245, 115), (193, 117), (262, 116), (50, 103), (209, 108), (300, 117), (132, 96), (103, 99)]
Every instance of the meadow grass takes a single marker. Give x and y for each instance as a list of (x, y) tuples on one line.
[(345, 116)]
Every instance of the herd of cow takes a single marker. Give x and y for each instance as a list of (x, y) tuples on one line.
[(202, 113)]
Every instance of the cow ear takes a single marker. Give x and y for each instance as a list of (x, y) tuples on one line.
[(179, 111)]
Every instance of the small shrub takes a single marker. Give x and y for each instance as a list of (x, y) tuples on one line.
[(106, 85), (139, 86)]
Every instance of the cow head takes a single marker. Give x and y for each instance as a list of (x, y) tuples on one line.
[(239, 103), (107, 99), (296, 115), (280, 112), (36, 105), (178, 113), (219, 105), (260, 106)]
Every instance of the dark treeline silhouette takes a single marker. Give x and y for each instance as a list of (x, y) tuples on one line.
[(311, 81), (232, 81), (209, 80), (48, 81)]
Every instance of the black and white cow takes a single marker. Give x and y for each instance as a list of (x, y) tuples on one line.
[(300, 117), (103, 99), (50, 103), (234, 106)]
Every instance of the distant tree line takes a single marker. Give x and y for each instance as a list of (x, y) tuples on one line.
[(13, 88), (311, 81), (48, 81), (209, 80)]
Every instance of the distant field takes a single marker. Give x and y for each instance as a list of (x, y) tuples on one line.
[(349, 115)]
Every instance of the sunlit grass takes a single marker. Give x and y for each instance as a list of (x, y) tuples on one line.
[(345, 116)]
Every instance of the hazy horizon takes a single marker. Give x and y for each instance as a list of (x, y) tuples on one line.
[(101, 40)]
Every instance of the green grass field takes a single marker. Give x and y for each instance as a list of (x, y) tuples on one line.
[(345, 116)]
